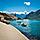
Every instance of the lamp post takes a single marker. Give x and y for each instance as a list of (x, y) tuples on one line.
[(27, 4)]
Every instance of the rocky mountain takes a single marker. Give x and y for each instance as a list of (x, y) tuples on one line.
[(33, 15), (19, 16), (7, 16)]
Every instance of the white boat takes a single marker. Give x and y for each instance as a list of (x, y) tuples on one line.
[(24, 24)]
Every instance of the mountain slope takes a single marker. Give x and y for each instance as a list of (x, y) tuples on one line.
[(33, 15)]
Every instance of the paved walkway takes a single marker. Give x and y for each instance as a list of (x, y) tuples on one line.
[(8, 32)]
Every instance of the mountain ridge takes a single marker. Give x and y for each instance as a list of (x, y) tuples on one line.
[(33, 15)]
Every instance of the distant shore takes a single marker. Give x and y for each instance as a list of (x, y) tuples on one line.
[(8, 32)]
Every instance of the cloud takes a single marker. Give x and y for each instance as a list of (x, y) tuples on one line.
[(27, 3)]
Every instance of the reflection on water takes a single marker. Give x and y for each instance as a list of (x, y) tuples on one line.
[(31, 30)]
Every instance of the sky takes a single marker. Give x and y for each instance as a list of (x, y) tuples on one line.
[(18, 5)]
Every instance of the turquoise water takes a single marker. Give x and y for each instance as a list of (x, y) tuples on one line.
[(31, 30)]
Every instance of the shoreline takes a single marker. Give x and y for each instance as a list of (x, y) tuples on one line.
[(20, 32), (16, 31)]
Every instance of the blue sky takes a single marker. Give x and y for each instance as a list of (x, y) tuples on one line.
[(18, 5)]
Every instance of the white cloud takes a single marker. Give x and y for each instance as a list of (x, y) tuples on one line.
[(14, 12), (27, 3), (19, 12)]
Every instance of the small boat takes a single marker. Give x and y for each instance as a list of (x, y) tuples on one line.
[(23, 24)]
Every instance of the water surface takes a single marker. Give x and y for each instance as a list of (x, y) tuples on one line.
[(31, 30)]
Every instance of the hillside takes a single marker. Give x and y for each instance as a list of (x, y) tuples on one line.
[(19, 16), (33, 15), (7, 16)]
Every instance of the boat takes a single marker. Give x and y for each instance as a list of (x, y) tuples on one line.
[(23, 24)]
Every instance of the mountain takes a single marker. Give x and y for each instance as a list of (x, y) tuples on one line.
[(19, 16), (7, 16), (33, 15)]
